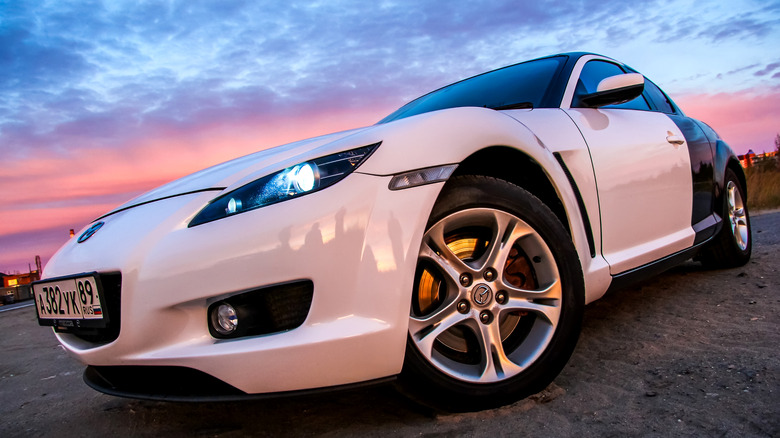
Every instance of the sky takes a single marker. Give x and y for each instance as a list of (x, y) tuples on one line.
[(103, 100)]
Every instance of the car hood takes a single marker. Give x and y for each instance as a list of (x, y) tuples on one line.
[(406, 145), (243, 169)]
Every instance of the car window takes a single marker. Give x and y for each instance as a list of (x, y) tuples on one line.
[(519, 85), (658, 98), (592, 74)]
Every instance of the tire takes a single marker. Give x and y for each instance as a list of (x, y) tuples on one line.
[(733, 244), (498, 298)]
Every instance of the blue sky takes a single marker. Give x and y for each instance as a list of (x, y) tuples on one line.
[(100, 101)]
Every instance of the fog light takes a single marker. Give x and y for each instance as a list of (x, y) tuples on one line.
[(224, 319)]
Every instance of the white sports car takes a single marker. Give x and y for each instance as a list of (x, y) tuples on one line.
[(451, 247)]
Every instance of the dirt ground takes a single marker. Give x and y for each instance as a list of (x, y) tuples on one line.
[(689, 353)]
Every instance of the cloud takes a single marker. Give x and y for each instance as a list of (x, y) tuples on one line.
[(33, 62), (738, 28), (745, 119), (755, 20), (768, 69)]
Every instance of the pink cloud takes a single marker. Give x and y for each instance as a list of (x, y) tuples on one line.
[(162, 156), (748, 119), (48, 195), (25, 220)]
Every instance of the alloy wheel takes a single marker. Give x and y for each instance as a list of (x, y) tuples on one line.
[(737, 216), (487, 297)]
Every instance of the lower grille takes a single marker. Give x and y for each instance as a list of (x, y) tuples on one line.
[(269, 310)]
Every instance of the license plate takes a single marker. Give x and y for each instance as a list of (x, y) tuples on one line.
[(70, 302)]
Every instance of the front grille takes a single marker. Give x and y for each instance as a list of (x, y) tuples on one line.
[(112, 293), (270, 309)]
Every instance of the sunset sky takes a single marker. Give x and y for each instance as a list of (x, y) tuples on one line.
[(103, 100)]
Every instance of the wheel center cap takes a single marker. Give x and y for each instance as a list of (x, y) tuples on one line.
[(481, 294)]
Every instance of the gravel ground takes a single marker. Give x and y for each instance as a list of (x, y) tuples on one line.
[(689, 353)]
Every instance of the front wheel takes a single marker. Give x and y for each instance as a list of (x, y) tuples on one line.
[(498, 298)]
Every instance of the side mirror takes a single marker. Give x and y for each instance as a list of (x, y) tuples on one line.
[(614, 90)]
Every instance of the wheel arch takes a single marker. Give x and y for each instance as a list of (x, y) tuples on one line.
[(734, 165), (514, 166), (726, 159)]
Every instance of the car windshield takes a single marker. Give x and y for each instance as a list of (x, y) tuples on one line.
[(522, 85)]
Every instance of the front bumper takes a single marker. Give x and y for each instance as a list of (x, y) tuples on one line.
[(357, 242)]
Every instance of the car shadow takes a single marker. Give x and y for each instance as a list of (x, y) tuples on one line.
[(365, 409)]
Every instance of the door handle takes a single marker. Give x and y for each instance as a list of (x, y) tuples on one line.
[(675, 140)]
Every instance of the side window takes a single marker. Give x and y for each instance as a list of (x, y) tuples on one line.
[(658, 98), (592, 74)]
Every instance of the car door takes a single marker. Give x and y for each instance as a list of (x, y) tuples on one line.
[(642, 170), (702, 156)]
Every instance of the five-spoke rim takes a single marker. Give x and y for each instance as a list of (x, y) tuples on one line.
[(737, 216), (487, 313)]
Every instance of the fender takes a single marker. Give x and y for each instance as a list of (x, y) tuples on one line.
[(724, 158), (467, 130)]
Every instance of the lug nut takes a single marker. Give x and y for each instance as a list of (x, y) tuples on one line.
[(465, 279), (489, 274), (501, 297), (485, 317), (463, 307)]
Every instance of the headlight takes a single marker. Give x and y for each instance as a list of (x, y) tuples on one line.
[(298, 180)]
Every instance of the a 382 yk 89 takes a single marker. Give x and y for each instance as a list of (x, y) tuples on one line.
[(451, 247)]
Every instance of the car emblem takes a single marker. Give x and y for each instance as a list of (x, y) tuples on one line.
[(482, 294), (90, 232)]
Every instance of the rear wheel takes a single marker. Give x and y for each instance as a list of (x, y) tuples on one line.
[(733, 246), (498, 298)]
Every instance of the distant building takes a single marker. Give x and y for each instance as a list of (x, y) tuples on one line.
[(16, 287), (20, 279), (747, 159), (751, 158)]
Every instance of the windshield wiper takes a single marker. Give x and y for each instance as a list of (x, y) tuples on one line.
[(519, 105)]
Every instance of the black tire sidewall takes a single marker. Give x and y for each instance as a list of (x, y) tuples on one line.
[(482, 192)]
